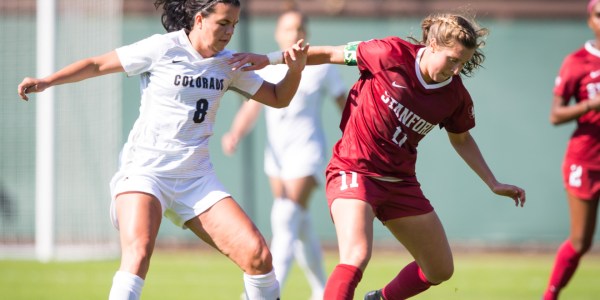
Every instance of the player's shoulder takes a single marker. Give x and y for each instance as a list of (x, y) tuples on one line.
[(166, 38), (395, 42), (156, 43), (392, 46), (579, 62), (583, 54)]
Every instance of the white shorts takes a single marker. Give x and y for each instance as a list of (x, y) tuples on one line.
[(296, 163), (181, 199)]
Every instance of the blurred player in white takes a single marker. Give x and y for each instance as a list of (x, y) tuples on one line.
[(579, 80), (164, 166), (294, 155)]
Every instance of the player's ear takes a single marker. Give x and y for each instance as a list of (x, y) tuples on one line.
[(198, 20), (433, 45)]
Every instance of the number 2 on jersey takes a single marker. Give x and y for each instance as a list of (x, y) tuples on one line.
[(201, 109), (353, 180)]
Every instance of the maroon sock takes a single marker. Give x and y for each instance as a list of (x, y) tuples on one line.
[(342, 282), (565, 264), (409, 282)]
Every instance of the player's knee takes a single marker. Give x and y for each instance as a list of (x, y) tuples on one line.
[(440, 274), (258, 258), (581, 245), (357, 256), (138, 254)]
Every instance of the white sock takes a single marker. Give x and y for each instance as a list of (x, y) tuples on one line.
[(261, 287), (309, 256), (286, 216), (126, 286)]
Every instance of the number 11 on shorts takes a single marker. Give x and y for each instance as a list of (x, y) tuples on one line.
[(353, 180)]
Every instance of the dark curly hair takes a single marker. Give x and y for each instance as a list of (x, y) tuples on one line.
[(179, 14)]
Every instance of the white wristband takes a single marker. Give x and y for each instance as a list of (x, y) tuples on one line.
[(275, 57)]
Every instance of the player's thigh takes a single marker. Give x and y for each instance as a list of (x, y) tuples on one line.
[(277, 187), (353, 220), (300, 189), (226, 227), (139, 216), (583, 215), (424, 237)]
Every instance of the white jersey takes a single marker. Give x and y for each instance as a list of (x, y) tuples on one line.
[(181, 92), (295, 137)]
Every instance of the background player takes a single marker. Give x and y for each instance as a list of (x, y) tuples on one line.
[(294, 155), (579, 79), (164, 166)]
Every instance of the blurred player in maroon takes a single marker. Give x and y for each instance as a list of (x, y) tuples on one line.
[(579, 79)]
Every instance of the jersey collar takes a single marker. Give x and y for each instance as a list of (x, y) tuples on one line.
[(418, 71), (589, 46)]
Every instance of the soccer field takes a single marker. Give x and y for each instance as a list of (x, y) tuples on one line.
[(207, 275)]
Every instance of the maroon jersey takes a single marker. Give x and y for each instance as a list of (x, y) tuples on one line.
[(579, 78), (391, 108)]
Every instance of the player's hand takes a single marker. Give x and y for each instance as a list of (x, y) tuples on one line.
[(248, 61), (295, 57), (511, 191), (229, 143), (594, 103), (30, 85)]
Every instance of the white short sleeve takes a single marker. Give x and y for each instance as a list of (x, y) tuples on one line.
[(140, 56)]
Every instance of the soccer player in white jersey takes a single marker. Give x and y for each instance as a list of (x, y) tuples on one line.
[(294, 155), (164, 166)]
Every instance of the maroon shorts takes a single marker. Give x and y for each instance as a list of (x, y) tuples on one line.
[(390, 200), (581, 180)]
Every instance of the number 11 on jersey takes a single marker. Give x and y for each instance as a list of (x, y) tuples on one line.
[(400, 141), (353, 180)]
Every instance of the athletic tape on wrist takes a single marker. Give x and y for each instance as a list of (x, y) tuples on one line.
[(350, 53), (275, 57)]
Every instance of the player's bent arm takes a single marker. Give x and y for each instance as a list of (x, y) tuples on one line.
[(279, 95), (561, 112), (464, 144), (77, 71), (318, 55)]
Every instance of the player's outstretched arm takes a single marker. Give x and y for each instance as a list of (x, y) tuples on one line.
[(467, 148), (77, 71), (318, 55)]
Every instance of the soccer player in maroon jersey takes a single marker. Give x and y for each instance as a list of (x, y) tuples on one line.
[(579, 79), (405, 90)]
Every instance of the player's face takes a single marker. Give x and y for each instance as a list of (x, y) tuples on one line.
[(594, 20), (289, 30), (216, 29), (445, 62)]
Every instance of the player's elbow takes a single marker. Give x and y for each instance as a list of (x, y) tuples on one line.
[(281, 104), (281, 100), (555, 120)]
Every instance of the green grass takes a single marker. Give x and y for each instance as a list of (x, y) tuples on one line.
[(208, 275)]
